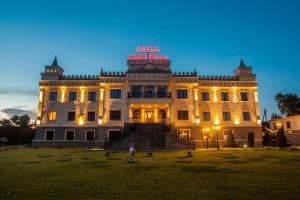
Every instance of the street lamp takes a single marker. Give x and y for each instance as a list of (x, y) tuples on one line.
[(206, 131), (216, 127)]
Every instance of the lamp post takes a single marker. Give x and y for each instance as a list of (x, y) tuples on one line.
[(216, 127), (206, 131)]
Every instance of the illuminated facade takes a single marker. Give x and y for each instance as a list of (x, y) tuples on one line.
[(97, 110)]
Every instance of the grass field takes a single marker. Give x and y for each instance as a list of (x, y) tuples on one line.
[(45, 173)]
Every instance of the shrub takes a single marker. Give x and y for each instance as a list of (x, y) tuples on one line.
[(250, 139), (230, 139), (281, 140)]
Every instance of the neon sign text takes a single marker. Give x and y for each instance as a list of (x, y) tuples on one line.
[(147, 53)]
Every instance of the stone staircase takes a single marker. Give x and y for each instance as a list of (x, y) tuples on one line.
[(151, 136)]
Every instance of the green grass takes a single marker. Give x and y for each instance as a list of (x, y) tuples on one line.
[(46, 173)]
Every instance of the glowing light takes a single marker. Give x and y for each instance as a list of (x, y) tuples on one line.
[(38, 122), (63, 89), (82, 95), (237, 121), (217, 122), (278, 124), (52, 116), (80, 122), (196, 94), (255, 97), (215, 94), (100, 121), (197, 120), (101, 94), (245, 145), (41, 96), (259, 122)]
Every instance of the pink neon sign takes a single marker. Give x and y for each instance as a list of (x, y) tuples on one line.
[(147, 53)]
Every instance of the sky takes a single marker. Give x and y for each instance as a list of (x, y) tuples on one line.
[(208, 35)]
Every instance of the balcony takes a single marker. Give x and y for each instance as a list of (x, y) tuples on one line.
[(147, 98)]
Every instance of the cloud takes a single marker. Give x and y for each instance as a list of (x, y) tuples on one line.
[(18, 90), (3, 115), (9, 112)]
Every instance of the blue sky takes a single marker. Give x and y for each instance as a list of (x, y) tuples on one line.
[(208, 35)]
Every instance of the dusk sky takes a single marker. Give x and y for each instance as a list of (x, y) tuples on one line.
[(210, 36)]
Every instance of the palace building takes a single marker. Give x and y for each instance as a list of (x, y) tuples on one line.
[(148, 105)]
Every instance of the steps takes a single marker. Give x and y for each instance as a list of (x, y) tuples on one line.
[(150, 136)]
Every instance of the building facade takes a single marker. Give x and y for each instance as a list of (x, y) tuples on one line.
[(291, 127), (95, 110)]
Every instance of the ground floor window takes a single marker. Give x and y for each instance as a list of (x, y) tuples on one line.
[(90, 135), (49, 135), (70, 135), (182, 115)]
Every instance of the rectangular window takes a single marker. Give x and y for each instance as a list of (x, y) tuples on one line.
[(206, 116), (226, 116), (90, 135), (115, 94), (244, 96), (115, 114), (182, 94), (70, 135), (51, 116), (246, 116), (182, 115), (205, 96), (72, 96), (71, 116), (288, 124), (53, 96), (92, 96), (91, 116), (49, 134), (224, 96)]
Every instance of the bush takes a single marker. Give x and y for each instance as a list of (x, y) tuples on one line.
[(230, 139), (266, 139)]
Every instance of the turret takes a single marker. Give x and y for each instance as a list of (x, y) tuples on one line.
[(52, 72), (244, 73)]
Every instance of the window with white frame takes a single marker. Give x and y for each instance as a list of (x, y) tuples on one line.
[(90, 135), (70, 135), (49, 135)]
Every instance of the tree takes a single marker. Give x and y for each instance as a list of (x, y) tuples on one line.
[(24, 121), (275, 116), (230, 139), (15, 120), (288, 104), (6, 123)]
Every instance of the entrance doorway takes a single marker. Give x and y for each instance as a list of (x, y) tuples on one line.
[(149, 116)]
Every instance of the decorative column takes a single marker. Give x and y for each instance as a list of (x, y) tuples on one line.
[(196, 106), (155, 114), (101, 106)]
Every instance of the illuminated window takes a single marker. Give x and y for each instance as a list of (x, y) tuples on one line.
[(246, 116), (49, 135), (182, 94), (71, 116), (115, 114), (72, 96), (92, 96), (53, 96), (206, 116), (205, 96), (226, 116), (51, 116), (182, 114), (244, 96), (90, 135), (115, 94), (224, 96), (91, 116), (70, 135)]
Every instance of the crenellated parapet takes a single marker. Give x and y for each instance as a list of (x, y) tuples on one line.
[(80, 77), (185, 74), (112, 74), (226, 78)]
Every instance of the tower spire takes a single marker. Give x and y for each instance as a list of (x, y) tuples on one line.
[(242, 64), (55, 62)]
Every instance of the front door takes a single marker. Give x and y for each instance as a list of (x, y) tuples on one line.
[(149, 116)]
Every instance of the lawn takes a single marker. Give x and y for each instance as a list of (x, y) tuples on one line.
[(75, 173)]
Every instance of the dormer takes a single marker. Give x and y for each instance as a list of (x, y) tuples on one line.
[(244, 73), (52, 72)]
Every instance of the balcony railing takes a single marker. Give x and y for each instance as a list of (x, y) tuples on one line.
[(149, 95)]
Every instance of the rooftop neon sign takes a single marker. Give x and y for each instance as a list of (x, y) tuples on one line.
[(147, 53)]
